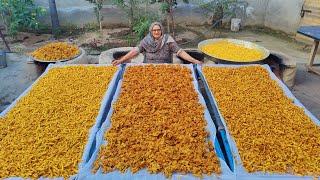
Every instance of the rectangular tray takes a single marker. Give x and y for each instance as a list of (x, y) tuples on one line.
[(86, 171), (232, 153), (104, 109)]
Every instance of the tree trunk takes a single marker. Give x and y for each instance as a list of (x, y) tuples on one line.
[(168, 16), (54, 18), (131, 16), (99, 7), (168, 23), (146, 7), (171, 18), (100, 20)]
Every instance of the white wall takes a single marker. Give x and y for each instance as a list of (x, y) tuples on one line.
[(70, 12), (66, 3), (283, 15), (276, 14), (256, 12)]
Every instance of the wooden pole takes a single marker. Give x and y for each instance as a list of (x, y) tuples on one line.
[(312, 57)]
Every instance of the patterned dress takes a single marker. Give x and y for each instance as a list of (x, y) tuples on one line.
[(163, 55)]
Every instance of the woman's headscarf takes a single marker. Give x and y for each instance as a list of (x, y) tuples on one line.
[(152, 45)]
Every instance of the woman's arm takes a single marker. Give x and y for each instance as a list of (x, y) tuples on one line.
[(126, 57), (187, 57), (180, 52)]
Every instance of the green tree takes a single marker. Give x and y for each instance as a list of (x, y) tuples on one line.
[(218, 9), (19, 15), (141, 25), (138, 15), (166, 8), (97, 10), (130, 8)]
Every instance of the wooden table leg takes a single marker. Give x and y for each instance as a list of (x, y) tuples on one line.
[(312, 57)]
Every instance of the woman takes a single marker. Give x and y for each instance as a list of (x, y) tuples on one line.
[(157, 47)]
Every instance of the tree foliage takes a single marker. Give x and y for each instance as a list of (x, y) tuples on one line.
[(20, 15), (219, 9), (97, 11), (166, 8)]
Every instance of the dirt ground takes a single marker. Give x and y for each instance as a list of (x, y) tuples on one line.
[(19, 75)]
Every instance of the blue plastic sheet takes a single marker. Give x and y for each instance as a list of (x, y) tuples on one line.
[(230, 145), (310, 31), (104, 108), (86, 171)]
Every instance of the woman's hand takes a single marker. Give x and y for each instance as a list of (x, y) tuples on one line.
[(132, 53), (116, 62)]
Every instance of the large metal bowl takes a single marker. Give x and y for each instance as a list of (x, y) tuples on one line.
[(249, 45), (81, 51), (56, 61)]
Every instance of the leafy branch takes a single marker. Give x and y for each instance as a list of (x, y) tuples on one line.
[(97, 11), (166, 7), (20, 15)]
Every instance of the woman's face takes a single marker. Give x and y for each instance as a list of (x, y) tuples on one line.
[(156, 32)]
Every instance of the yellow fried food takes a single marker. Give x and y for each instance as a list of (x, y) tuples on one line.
[(158, 124), (56, 51), (45, 133), (272, 134), (230, 51)]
